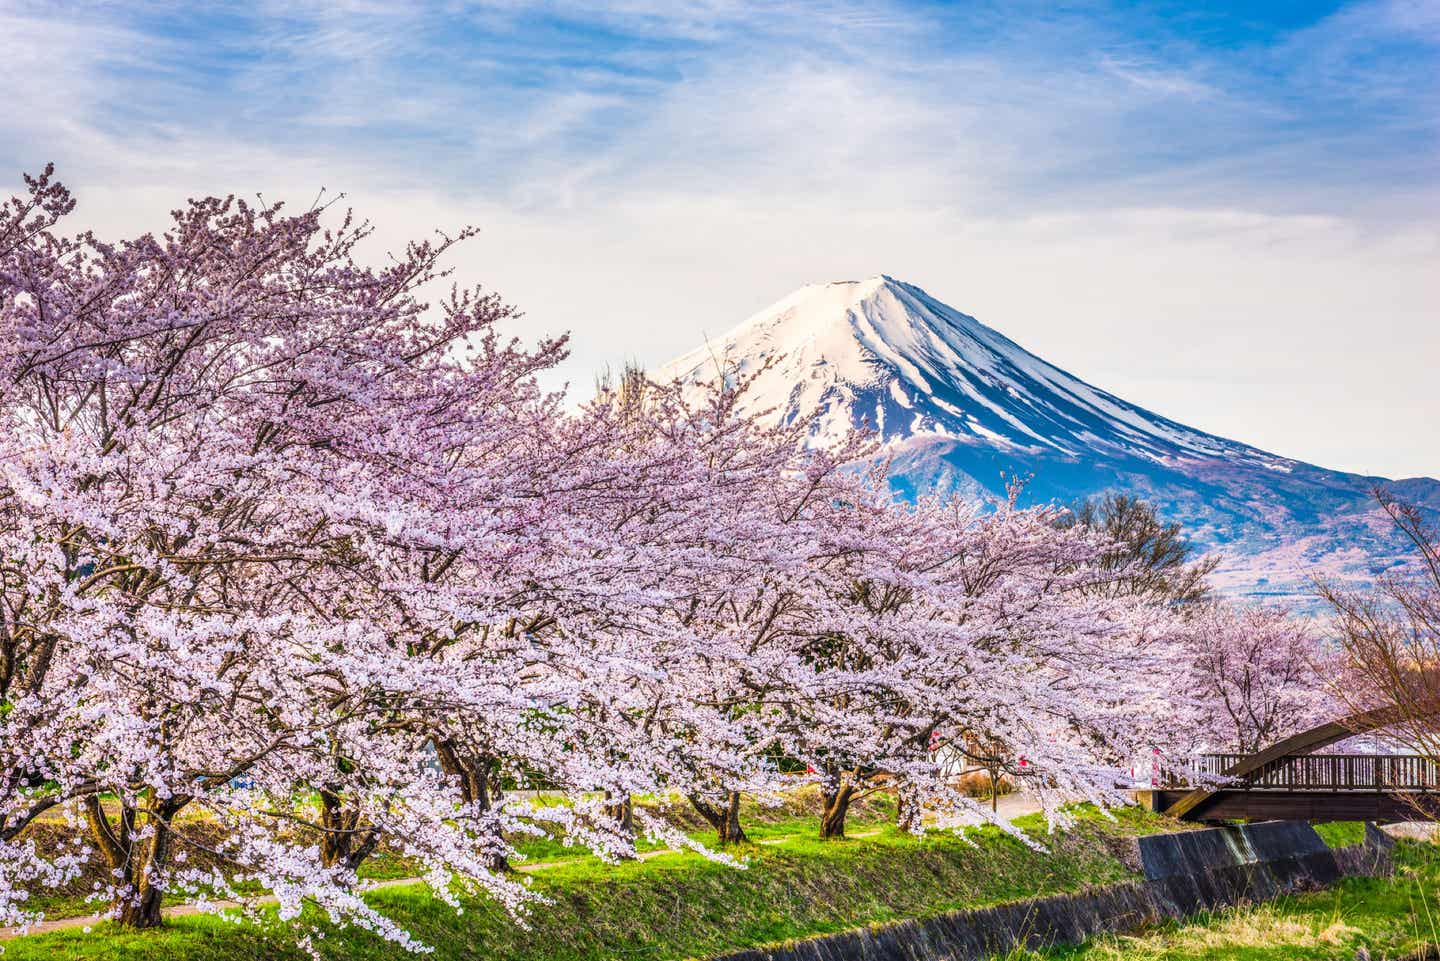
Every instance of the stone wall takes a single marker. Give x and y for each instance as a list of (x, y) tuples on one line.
[(1185, 873)]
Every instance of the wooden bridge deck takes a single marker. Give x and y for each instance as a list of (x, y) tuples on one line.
[(1314, 806), (1309, 787)]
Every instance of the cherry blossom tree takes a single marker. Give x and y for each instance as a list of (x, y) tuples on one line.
[(266, 519), (1259, 674), (981, 627), (720, 513)]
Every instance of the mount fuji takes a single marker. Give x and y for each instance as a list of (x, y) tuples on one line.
[(962, 409)]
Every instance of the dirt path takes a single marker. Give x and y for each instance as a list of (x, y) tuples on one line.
[(1012, 806)]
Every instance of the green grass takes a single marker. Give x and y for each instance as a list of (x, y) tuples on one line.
[(677, 906), (1389, 918), (1338, 834)]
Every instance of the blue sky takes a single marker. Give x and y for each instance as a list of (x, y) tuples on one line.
[(1226, 212)]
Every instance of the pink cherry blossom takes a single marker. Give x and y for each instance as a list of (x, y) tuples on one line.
[(290, 549)]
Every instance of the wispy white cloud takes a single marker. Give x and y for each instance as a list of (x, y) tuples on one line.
[(1164, 82), (1158, 213)]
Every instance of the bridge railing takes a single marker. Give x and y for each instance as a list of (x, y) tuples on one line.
[(1397, 773)]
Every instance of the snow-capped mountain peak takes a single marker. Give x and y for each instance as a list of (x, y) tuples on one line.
[(884, 352)]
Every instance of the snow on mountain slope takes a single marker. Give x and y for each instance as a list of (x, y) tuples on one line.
[(888, 352), (961, 408)]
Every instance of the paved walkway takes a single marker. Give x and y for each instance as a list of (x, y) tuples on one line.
[(1011, 806)]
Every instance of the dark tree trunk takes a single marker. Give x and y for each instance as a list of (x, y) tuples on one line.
[(137, 864), (724, 818), (344, 843), (909, 815), (837, 805), (479, 776), (621, 810), (143, 909)]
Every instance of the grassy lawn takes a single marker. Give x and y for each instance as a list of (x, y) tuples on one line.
[(1389, 918), (1341, 833), (676, 905), (792, 820)]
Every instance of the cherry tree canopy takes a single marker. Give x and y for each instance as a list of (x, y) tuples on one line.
[(1259, 674), (296, 554)]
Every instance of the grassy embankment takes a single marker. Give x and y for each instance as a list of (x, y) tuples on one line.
[(1389, 918), (676, 905)]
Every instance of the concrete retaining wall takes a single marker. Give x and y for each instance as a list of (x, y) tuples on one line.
[(1185, 873)]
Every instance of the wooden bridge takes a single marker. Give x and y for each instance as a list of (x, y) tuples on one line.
[(1286, 781)]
